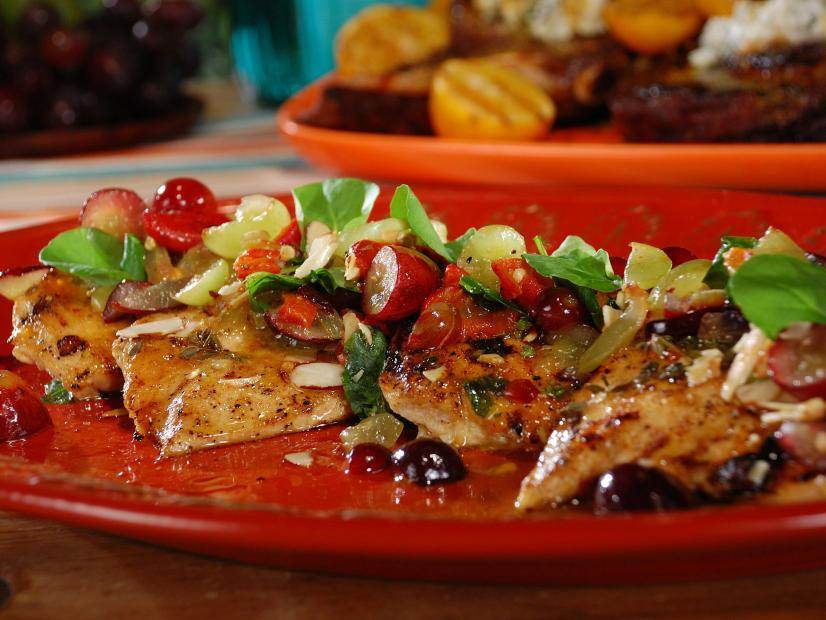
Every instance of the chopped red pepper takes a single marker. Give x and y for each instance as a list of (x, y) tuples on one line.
[(297, 310), (291, 235), (255, 260), (519, 281), (521, 391), (453, 273)]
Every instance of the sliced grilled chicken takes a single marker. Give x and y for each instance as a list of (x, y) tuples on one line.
[(56, 328), (226, 383), (688, 433), (433, 390)]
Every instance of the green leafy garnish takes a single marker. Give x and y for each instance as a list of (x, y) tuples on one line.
[(407, 208), (456, 246), (56, 394), (95, 256), (578, 263), (555, 390), (365, 362), (334, 202), (485, 294), (262, 285), (774, 290), (481, 392), (527, 351), (718, 274), (540, 246)]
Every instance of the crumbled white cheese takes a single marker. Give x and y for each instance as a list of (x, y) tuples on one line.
[(751, 349), (317, 375), (321, 251), (302, 459), (757, 26), (435, 374), (547, 20), (704, 368), (808, 411)]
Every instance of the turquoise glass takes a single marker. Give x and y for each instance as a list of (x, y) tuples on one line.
[(281, 45)]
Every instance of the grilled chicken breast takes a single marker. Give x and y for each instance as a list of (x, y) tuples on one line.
[(56, 328), (436, 390), (226, 383), (688, 433)]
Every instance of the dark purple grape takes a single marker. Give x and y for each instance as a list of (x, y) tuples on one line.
[(63, 49), (678, 326), (156, 96), (32, 78), (14, 54), (121, 13), (558, 308), (95, 108), (115, 70), (724, 328), (154, 38), (631, 488), (63, 110), (427, 461), (37, 18), (816, 259), (176, 14), (14, 111), (188, 58), (368, 458)]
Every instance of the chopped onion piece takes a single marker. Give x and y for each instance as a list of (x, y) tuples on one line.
[(751, 347), (160, 327), (620, 333), (317, 375)]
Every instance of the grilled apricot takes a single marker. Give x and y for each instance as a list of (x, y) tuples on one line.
[(653, 26)]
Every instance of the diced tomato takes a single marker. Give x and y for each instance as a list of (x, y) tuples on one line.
[(257, 259), (519, 281), (489, 325), (453, 273), (297, 310), (521, 391), (181, 209), (291, 235)]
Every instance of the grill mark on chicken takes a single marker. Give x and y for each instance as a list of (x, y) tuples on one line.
[(81, 359)]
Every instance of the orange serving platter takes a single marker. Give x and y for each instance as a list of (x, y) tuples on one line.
[(580, 156), (247, 502)]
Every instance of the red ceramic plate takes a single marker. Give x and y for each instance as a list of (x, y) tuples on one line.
[(589, 156), (246, 502)]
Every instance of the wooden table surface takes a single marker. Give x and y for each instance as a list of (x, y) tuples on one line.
[(49, 570)]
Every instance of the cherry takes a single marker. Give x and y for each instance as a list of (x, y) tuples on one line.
[(558, 308), (631, 487), (427, 462), (368, 458), (183, 194), (181, 209)]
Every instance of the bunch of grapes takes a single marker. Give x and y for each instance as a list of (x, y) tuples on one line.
[(126, 61)]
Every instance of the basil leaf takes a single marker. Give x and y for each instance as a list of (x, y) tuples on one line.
[(56, 394), (330, 279), (261, 283), (365, 362), (334, 202), (774, 290), (718, 274), (456, 246), (132, 261), (481, 391), (579, 268), (90, 254), (477, 289), (406, 207), (573, 243)]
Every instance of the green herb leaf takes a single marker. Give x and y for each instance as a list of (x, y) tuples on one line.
[(365, 362), (718, 275), (540, 246), (334, 202), (56, 394), (406, 207), (95, 256), (481, 392), (579, 268), (555, 390), (477, 289), (330, 279), (573, 243), (132, 261), (774, 290), (261, 285), (456, 246)]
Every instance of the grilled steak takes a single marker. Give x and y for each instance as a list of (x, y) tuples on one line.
[(776, 96)]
